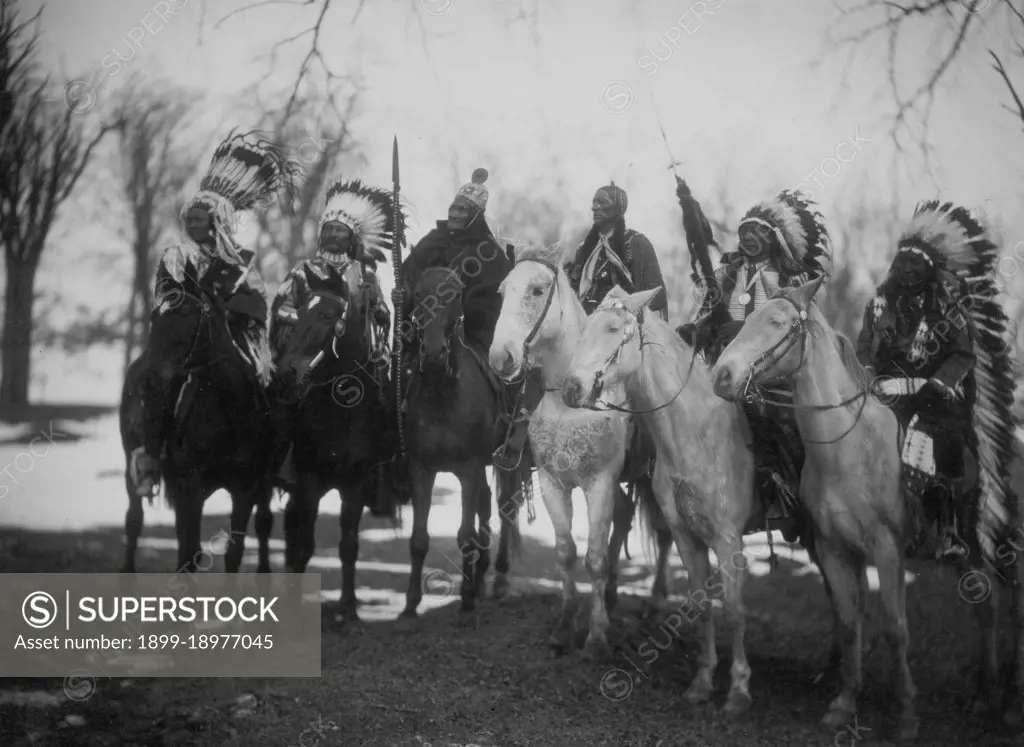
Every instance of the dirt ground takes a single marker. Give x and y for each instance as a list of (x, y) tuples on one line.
[(499, 684)]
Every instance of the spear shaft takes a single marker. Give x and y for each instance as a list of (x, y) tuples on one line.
[(396, 260)]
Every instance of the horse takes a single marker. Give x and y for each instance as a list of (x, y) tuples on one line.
[(217, 426), (850, 484), (539, 326), (453, 425), (342, 429), (130, 416), (704, 472)]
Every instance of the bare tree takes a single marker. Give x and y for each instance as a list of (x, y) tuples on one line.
[(317, 138), (957, 28), (43, 152), (154, 167)]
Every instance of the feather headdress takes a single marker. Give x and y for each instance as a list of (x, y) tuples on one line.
[(368, 211), (799, 227), (958, 244), (244, 172)]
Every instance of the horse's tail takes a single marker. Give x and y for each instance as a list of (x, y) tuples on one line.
[(649, 514), (515, 487)]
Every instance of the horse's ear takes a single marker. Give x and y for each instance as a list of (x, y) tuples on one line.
[(638, 301), (806, 293), (617, 292)]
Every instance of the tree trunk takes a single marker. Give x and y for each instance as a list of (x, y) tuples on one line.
[(17, 333), (129, 338)]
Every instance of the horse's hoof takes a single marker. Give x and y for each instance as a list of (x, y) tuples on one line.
[(837, 718), (561, 640), (501, 586), (596, 649), (737, 704), (697, 693), (908, 727), (468, 619), (407, 622)]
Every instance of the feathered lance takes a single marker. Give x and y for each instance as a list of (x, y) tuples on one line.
[(699, 235), (397, 240)]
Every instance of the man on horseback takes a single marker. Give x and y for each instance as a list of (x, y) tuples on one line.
[(783, 243), (242, 174), (611, 255), (465, 244), (354, 228), (931, 336)]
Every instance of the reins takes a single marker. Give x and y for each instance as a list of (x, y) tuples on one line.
[(767, 359), (637, 327)]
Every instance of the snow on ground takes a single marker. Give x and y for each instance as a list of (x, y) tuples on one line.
[(78, 485)]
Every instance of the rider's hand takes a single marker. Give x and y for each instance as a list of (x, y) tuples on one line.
[(398, 296)]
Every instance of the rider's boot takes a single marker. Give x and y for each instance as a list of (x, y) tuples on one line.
[(524, 399)]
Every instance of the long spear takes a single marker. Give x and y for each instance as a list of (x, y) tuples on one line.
[(397, 239)]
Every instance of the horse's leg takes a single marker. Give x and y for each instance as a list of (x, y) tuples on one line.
[(987, 612), (132, 527), (732, 564), (188, 520), (264, 525), (660, 588), (845, 575), (835, 654), (600, 506), (507, 494), (622, 521), (694, 554), (241, 511), (352, 505), (558, 502), (483, 535), (419, 543), (300, 523), (473, 479), (893, 589)]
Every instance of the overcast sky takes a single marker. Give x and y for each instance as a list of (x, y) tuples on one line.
[(735, 87)]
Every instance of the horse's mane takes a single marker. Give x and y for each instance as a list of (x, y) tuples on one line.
[(548, 254), (667, 349), (845, 348)]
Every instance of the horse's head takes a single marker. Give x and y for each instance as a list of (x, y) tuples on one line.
[(530, 312), (188, 325), (327, 308), (609, 348), (771, 345), (436, 312)]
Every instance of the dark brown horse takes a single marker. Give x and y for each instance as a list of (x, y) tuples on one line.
[(452, 425), (343, 427), (217, 426)]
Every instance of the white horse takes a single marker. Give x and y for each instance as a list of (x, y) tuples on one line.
[(539, 326)]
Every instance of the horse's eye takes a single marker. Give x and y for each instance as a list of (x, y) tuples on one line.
[(538, 291), (776, 322)]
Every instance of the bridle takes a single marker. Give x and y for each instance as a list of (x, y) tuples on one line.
[(797, 332), (205, 305), (632, 329), (552, 291)]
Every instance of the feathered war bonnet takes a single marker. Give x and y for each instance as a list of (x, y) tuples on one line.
[(243, 174), (799, 229), (368, 211), (951, 239), (959, 245)]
